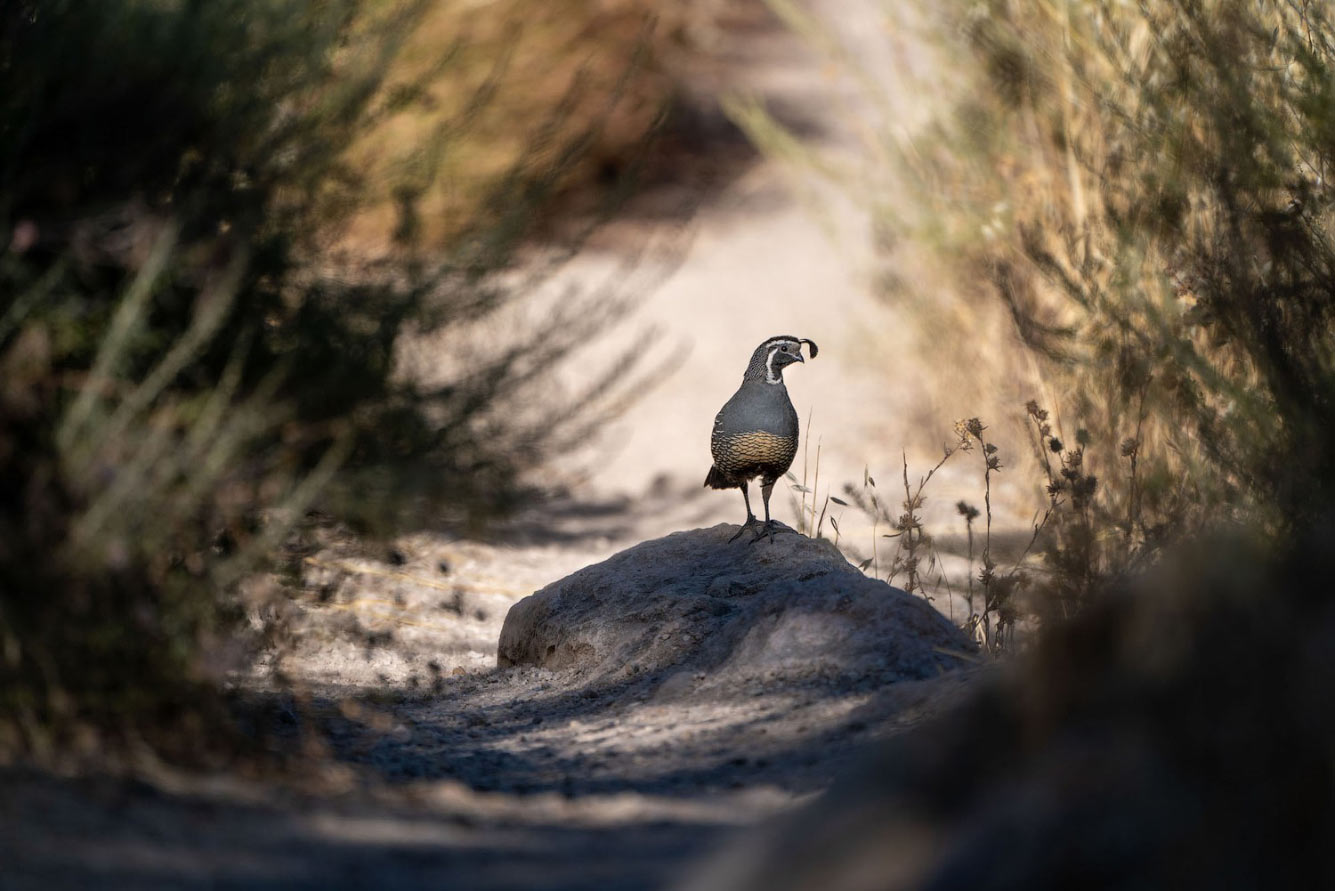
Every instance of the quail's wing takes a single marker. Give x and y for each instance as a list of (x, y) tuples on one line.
[(726, 413), (718, 427), (722, 421)]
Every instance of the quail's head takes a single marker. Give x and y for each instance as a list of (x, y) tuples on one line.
[(783, 350)]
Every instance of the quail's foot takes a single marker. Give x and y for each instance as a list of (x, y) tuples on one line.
[(750, 521), (768, 529)]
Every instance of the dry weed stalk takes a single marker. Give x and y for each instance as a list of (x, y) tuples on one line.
[(810, 523)]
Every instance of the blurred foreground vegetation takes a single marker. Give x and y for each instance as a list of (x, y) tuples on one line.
[(220, 223)]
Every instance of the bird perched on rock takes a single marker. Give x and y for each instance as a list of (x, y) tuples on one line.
[(755, 433)]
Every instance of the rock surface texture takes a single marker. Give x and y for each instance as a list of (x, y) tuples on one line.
[(689, 611)]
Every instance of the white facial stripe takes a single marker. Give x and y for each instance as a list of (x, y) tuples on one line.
[(774, 346)]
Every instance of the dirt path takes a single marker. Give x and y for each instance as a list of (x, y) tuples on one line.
[(781, 250), (762, 261), (437, 769), (501, 781)]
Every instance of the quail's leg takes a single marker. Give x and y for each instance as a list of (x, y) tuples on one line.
[(750, 517), (767, 486)]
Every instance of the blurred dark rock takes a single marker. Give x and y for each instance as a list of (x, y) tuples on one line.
[(1177, 736), (692, 610)]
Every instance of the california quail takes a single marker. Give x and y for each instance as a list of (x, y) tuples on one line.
[(755, 433)]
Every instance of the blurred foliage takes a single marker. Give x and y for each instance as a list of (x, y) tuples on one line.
[(473, 83), (186, 369), (1144, 187)]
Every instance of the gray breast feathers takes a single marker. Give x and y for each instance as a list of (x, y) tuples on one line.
[(758, 408)]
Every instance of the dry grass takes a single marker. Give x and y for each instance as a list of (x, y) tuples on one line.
[(1119, 177)]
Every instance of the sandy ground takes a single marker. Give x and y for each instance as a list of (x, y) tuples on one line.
[(434, 768), (450, 772), (493, 783)]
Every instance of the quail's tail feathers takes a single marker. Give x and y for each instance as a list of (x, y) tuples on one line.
[(716, 480)]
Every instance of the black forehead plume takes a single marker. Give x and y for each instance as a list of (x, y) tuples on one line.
[(794, 340)]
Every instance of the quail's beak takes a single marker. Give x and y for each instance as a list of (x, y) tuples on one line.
[(797, 356)]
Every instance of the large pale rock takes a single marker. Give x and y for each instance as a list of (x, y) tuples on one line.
[(694, 608)]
